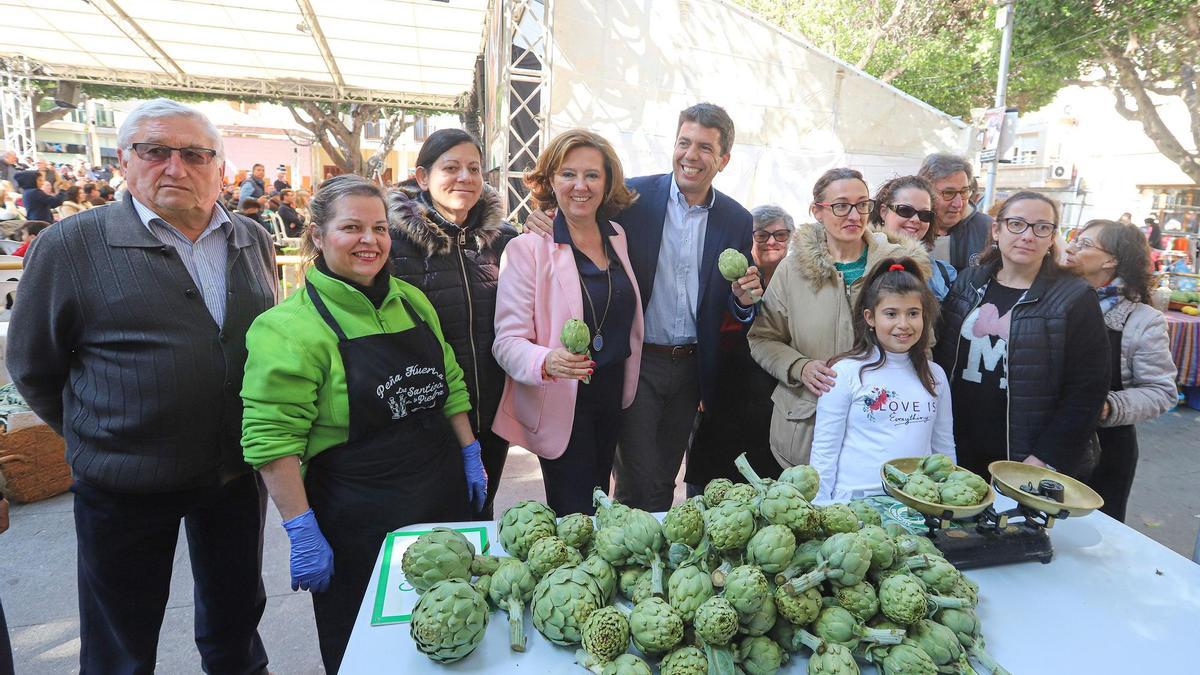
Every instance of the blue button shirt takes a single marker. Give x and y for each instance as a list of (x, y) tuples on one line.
[(594, 282), (205, 258), (671, 313)]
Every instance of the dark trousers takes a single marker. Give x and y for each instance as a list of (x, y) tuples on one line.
[(126, 545), (6, 657), (494, 452), (1113, 476), (587, 462), (655, 430)]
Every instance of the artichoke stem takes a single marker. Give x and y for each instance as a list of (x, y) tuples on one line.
[(806, 581), (895, 475), (600, 499), (809, 640), (986, 659), (915, 562), (719, 574), (747, 471), (588, 661), (937, 602), (883, 636), (516, 624), (656, 575)]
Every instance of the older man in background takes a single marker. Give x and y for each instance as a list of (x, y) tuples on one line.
[(130, 342), (963, 230)]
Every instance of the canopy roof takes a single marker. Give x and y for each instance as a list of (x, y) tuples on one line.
[(399, 52)]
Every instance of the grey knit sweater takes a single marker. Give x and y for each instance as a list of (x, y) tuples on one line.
[(111, 344)]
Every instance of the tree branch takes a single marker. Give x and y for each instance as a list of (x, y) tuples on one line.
[(877, 34)]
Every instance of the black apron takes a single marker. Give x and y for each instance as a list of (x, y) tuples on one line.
[(400, 465)]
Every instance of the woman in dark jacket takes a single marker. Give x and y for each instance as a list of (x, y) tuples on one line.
[(1025, 348), (448, 232)]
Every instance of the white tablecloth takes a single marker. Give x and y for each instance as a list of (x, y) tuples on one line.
[(1111, 601)]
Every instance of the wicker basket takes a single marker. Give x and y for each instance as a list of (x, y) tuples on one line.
[(32, 458)]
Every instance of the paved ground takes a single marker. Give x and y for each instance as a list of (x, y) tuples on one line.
[(37, 561)]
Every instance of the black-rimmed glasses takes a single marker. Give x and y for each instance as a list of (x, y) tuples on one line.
[(949, 195), (905, 211), (1041, 228), (155, 152), (841, 209), (781, 236)]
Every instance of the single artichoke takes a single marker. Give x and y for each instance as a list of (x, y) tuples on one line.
[(512, 586), (965, 625), (861, 600), (449, 620), (687, 589), (904, 659), (743, 493), (733, 264), (684, 661), (845, 559), (907, 544), (865, 512), (729, 525), (760, 656), (644, 541), (782, 503), (839, 518), (523, 524), (761, 621), (626, 664), (655, 627), (684, 524), (746, 589), (957, 493), (436, 556), (546, 554), (576, 530), (606, 634), (714, 492), (941, 645), (576, 337), (978, 485), (903, 599), (716, 621), (922, 487), (771, 548), (804, 477), (604, 574), (832, 659), (837, 624), (801, 609), (562, 602), (938, 467), (883, 549), (627, 578), (609, 544), (965, 590), (938, 575)]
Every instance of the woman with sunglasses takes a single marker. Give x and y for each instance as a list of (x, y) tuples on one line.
[(740, 419), (1115, 260), (904, 208), (1025, 349), (805, 317)]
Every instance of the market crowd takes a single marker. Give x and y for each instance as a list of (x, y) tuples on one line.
[(893, 322)]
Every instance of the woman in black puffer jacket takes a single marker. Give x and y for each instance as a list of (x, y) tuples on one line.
[(1025, 348), (448, 232)]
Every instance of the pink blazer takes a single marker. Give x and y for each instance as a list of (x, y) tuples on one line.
[(538, 291)]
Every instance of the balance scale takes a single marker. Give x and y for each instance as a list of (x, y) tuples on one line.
[(977, 536)]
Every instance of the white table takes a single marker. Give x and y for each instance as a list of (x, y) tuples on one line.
[(1112, 601)]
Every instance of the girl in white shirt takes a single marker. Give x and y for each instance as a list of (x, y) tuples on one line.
[(890, 400)]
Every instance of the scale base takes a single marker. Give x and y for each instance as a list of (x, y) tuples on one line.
[(972, 548)]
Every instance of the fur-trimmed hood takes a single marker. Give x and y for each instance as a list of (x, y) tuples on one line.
[(419, 222), (809, 253)]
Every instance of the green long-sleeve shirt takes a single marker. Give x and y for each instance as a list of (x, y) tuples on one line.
[(294, 389)]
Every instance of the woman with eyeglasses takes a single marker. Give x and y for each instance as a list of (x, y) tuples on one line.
[(740, 420), (1115, 260), (805, 317), (904, 208), (1025, 348)]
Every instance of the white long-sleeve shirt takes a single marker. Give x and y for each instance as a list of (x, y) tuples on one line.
[(871, 417)]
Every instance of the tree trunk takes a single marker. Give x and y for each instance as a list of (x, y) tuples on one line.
[(328, 126), (397, 122)]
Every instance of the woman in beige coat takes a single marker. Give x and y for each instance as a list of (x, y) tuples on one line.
[(804, 319)]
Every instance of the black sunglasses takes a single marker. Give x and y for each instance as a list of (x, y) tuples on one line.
[(781, 236), (905, 211), (154, 152)]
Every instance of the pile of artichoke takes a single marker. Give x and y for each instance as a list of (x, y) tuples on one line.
[(938, 480), (738, 580)]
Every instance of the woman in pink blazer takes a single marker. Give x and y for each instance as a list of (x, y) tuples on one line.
[(582, 272)]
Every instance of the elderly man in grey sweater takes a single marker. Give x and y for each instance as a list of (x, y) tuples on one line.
[(129, 340)]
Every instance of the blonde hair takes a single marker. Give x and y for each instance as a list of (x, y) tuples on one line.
[(539, 178)]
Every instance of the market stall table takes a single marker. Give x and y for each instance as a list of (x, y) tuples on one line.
[(1184, 332), (1112, 601)]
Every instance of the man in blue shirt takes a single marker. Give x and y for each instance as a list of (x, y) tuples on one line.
[(677, 229)]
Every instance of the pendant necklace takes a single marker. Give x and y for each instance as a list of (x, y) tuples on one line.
[(598, 339)]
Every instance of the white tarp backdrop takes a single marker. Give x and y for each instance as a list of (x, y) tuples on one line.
[(625, 68)]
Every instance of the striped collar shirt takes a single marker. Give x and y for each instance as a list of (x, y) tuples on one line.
[(671, 312), (205, 259)]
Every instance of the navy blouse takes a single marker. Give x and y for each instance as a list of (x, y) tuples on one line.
[(594, 282)]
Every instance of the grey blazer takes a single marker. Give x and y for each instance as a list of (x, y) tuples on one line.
[(1147, 368), (111, 344)]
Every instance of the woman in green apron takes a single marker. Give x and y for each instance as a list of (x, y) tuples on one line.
[(355, 410)]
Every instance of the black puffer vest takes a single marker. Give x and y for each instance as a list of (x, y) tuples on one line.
[(1037, 351), (968, 239), (457, 268)]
